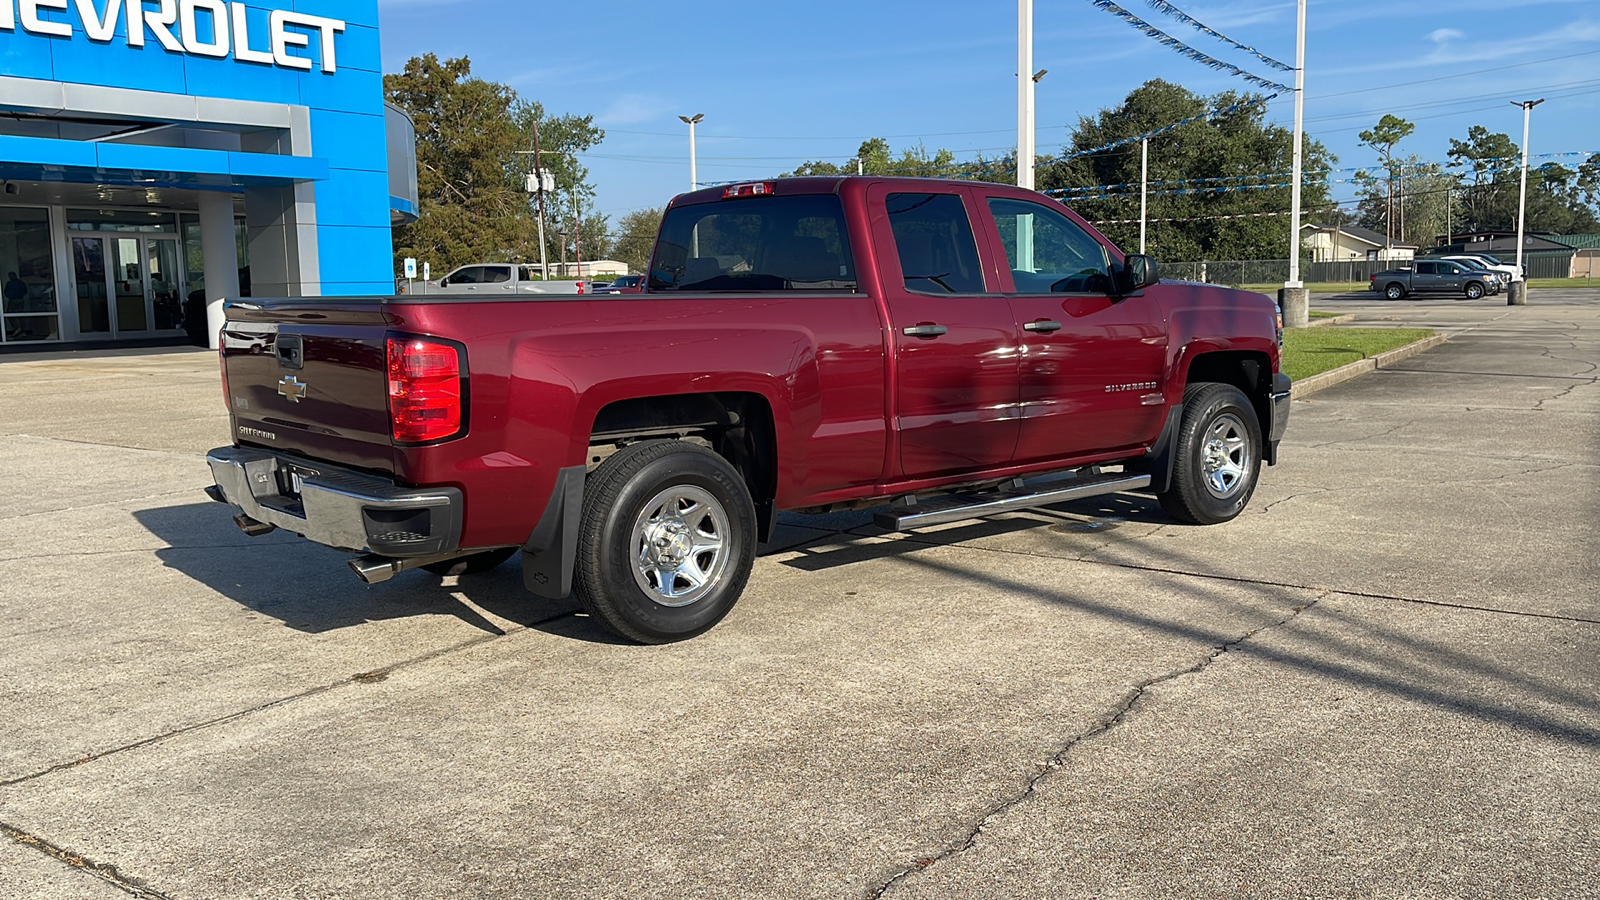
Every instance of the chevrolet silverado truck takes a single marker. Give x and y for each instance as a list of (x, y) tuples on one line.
[(937, 350), (1435, 276)]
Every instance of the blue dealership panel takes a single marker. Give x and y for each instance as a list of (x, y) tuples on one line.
[(347, 168)]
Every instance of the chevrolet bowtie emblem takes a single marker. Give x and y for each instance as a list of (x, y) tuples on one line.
[(293, 388)]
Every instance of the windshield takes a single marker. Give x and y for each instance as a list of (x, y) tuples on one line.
[(760, 243)]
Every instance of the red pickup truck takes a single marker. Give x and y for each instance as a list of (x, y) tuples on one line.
[(943, 350)]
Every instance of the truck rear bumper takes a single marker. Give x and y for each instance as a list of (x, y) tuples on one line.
[(335, 506)]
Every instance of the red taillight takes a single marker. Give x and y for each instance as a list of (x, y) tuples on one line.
[(425, 402), (753, 189)]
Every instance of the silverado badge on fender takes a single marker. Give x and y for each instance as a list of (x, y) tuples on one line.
[(292, 387)]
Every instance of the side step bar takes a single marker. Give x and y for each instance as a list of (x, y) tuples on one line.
[(972, 506)]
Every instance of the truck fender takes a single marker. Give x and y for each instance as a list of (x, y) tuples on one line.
[(551, 551)]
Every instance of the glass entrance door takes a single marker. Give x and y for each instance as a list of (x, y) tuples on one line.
[(128, 286), (90, 275), (165, 288)]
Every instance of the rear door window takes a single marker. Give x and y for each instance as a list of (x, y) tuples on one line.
[(496, 274), (759, 243), (934, 240)]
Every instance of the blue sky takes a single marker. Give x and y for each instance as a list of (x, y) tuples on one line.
[(782, 82)]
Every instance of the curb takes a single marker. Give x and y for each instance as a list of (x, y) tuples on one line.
[(1335, 320), (1324, 380)]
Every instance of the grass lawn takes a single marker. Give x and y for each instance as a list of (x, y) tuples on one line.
[(1318, 287), (1563, 282), (1308, 351)]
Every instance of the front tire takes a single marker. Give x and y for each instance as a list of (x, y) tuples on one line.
[(1218, 456), (1474, 290), (666, 543)]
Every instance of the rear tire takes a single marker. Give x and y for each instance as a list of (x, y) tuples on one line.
[(1395, 291), (1217, 457), (666, 543), (472, 564)]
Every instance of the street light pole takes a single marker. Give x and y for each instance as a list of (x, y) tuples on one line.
[(1520, 297), (1144, 186), (1294, 301), (694, 183), (1025, 82)]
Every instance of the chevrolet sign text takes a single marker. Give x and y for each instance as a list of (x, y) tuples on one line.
[(198, 27)]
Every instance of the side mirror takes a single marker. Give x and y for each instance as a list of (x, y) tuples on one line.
[(1137, 272), (445, 281)]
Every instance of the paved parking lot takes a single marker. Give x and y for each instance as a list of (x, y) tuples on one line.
[(1381, 681)]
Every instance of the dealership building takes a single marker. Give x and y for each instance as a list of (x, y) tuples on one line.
[(158, 156)]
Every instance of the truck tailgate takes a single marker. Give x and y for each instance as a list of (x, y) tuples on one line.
[(308, 377)]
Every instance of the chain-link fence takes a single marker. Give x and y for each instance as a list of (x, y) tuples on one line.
[(1237, 272)]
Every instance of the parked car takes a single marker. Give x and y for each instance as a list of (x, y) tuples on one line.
[(599, 287), (627, 284), (498, 279), (827, 344), (1508, 273), (1435, 277)]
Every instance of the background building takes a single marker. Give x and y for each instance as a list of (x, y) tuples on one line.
[(161, 150)]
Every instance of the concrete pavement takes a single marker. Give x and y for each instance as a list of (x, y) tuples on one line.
[(1380, 681)]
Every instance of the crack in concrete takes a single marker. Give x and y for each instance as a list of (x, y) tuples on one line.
[(90, 506), (103, 871), (1119, 714), (282, 701)]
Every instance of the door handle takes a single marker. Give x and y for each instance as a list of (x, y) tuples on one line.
[(925, 330), (1042, 326)]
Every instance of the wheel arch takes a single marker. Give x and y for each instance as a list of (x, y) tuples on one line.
[(738, 425), (1248, 370)]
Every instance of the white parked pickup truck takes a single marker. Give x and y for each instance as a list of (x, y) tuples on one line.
[(489, 279)]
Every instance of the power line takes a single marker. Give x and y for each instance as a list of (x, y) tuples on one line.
[(1458, 75)]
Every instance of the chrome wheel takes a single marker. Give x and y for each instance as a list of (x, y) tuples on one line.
[(1226, 456), (680, 545)]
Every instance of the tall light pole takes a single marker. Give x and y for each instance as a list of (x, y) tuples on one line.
[(694, 182), (1522, 197), (1144, 186), (537, 181), (1025, 82), (1294, 300)]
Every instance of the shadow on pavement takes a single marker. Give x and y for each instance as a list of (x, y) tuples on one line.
[(309, 588)]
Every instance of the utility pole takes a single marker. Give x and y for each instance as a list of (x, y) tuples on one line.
[(577, 231), (1294, 300), (1518, 294)]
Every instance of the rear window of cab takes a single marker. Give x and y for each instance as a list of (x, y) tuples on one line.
[(755, 244)]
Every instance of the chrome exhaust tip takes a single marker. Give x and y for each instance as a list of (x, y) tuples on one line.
[(373, 568), (251, 526)]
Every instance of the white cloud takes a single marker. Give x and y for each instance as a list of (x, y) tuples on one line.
[(1442, 35)]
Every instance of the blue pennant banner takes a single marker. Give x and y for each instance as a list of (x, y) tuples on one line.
[(1169, 41), (1165, 7)]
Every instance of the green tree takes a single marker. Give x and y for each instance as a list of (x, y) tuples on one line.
[(1383, 137), (1560, 200), (1488, 162), (472, 202), (636, 237), (1236, 218)]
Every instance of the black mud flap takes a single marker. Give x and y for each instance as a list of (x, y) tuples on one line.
[(1159, 462), (551, 552)]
